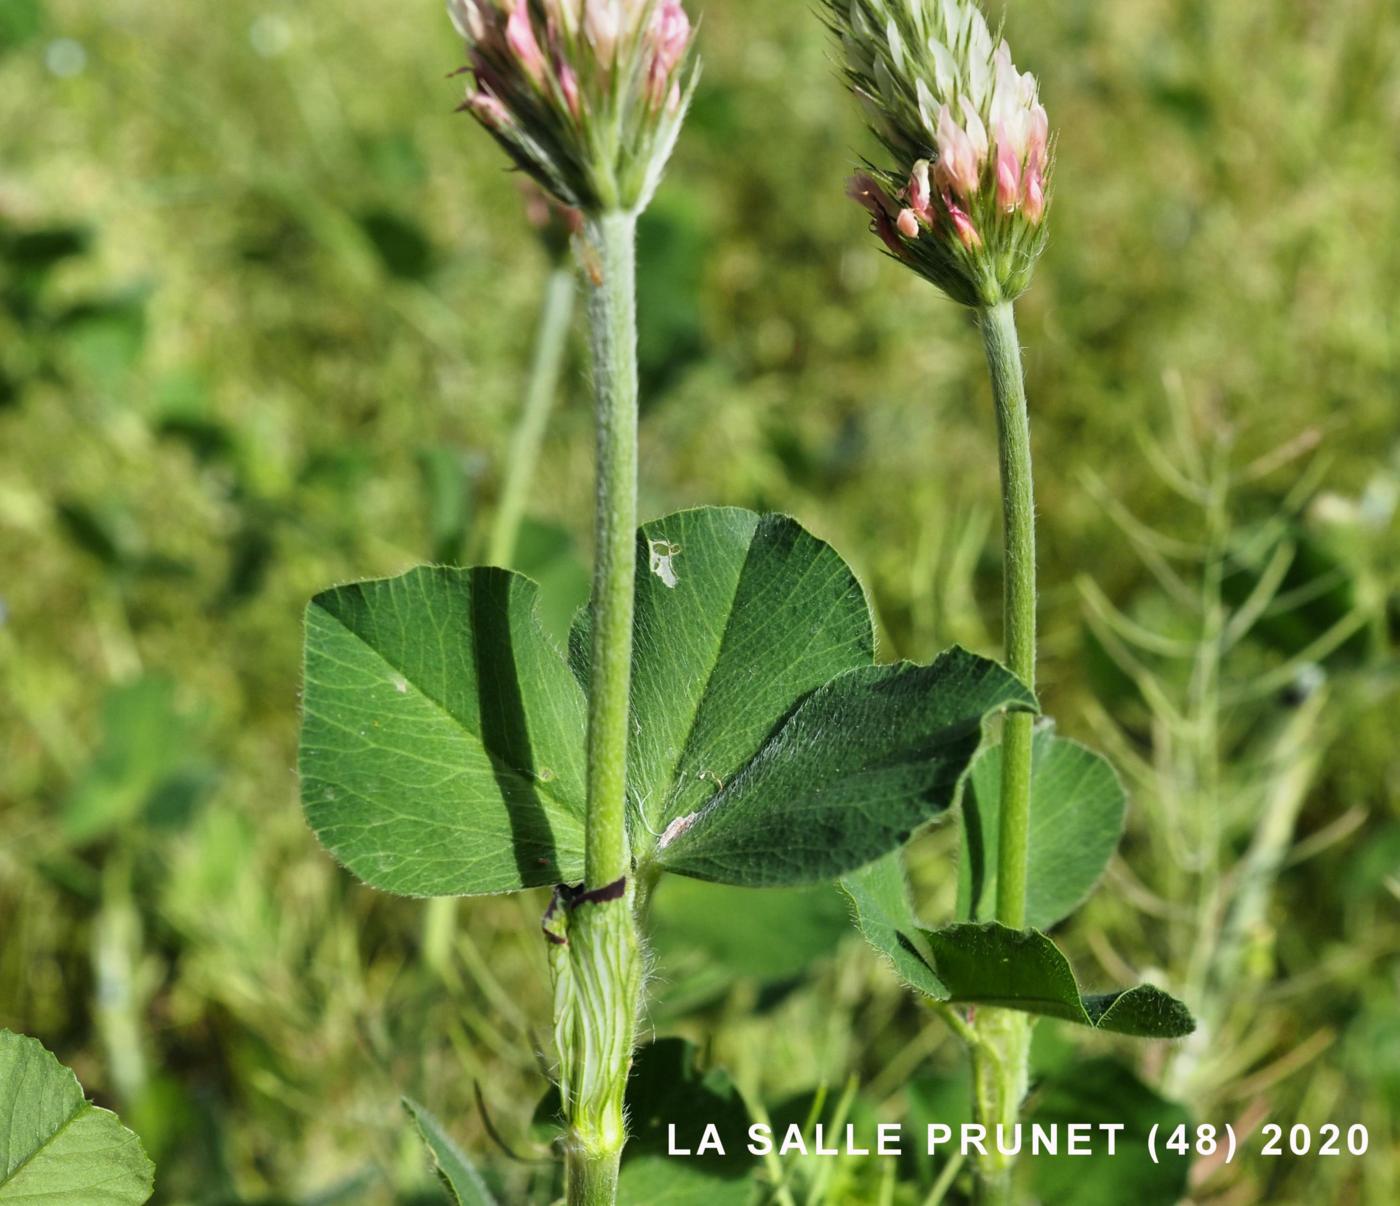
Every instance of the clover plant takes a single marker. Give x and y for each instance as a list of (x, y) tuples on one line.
[(719, 712), (962, 196)]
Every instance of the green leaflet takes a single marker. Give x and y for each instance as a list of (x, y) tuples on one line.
[(738, 617), (454, 1168), (1077, 807), (1023, 969), (442, 742), (860, 764), (885, 916), (989, 964), (55, 1145)]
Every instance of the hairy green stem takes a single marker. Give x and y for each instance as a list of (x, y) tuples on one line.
[(597, 972), (998, 325), (591, 1182), (612, 320), (597, 987), (551, 341), (1000, 1078), (1002, 1050)]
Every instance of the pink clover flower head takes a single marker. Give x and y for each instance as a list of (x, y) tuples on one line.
[(970, 154), (547, 75)]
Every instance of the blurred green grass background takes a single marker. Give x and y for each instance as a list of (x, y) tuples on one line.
[(267, 307)]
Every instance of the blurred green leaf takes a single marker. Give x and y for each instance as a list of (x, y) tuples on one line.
[(785, 928), (207, 439), (143, 765), (1076, 820), (30, 256), (448, 486), (96, 533), (458, 1174), (56, 1145), (659, 1181), (549, 554), (442, 744), (104, 337), (20, 22), (668, 1086), (1099, 1091), (403, 247)]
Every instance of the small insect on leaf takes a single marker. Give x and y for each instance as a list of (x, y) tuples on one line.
[(675, 829), (662, 553)]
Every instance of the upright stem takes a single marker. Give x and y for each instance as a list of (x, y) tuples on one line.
[(1018, 511), (612, 319), (551, 340), (595, 951), (1001, 1051)]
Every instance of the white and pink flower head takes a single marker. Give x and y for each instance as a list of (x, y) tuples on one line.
[(969, 138), (587, 96)]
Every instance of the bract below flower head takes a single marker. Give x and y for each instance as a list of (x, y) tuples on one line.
[(968, 141), (587, 96)]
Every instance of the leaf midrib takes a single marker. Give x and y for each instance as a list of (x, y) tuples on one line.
[(83, 1107)]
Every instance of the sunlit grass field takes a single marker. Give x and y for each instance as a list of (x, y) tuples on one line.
[(266, 307)]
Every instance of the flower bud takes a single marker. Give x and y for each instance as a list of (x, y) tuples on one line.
[(919, 192), (959, 167), (670, 36), (520, 37), (549, 75), (969, 140), (962, 225), (1008, 174), (602, 25)]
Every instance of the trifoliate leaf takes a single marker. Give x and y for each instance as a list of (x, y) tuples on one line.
[(993, 965), (443, 742)]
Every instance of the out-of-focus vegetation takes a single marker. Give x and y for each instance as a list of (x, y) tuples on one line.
[(265, 311)]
